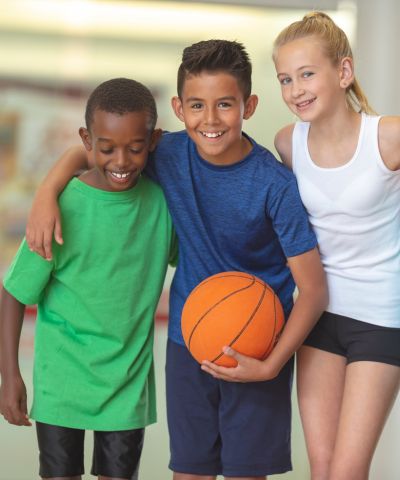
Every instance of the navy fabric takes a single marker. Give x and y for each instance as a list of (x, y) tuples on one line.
[(355, 340), (244, 217), (223, 428)]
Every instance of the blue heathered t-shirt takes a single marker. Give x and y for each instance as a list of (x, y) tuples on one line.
[(246, 217)]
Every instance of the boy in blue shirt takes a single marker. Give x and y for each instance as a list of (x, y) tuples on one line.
[(235, 207)]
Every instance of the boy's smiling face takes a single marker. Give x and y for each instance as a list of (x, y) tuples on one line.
[(213, 109), (119, 146)]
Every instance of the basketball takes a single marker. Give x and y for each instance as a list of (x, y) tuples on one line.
[(235, 309)]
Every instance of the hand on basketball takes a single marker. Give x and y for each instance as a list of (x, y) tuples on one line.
[(248, 369)]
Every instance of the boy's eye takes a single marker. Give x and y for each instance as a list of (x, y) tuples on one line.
[(196, 106), (106, 151), (135, 151), (224, 105)]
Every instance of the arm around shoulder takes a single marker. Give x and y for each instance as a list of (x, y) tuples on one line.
[(44, 218), (283, 144)]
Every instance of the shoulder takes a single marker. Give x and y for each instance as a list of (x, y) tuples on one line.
[(283, 144), (149, 185), (172, 138), (389, 141), (273, 176)]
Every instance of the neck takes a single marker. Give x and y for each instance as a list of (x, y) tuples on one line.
[(336, 127)]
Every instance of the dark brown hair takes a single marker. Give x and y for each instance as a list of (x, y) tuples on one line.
[(216, 56)]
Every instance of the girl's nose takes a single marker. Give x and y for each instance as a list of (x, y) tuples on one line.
[(297, 90)]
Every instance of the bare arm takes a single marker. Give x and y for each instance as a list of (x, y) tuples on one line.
[(311, 301), (13, 398), (283, 144), (44, 218), (389, 142)]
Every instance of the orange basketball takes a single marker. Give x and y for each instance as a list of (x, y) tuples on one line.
[(235, 309)]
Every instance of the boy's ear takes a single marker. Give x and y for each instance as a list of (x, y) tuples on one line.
[(155, 138), (177, 108), (250, 106), (346, 72), (85, 136)]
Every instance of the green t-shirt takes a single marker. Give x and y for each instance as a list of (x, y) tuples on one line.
[(93, 366)]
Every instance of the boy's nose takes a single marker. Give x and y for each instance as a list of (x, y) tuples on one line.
[(121, 159), (211, 116)]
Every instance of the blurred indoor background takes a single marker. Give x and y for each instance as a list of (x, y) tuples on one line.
[(52, 54)]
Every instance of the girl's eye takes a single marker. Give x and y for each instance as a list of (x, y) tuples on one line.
[(307, 74), (285, 80), (106, 152), (134, 151)]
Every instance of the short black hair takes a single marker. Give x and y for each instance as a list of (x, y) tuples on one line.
[(121, 95), (216, 56)]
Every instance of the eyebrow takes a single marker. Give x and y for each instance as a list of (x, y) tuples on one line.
[(196, 99), (297, 69)]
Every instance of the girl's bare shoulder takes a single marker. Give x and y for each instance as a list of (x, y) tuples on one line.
[(283, 144), (389, 141)]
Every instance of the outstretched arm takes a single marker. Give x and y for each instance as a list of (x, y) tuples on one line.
[(44, 218), (13, 398), (311, 301)]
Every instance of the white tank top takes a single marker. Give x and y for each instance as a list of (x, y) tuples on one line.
[(355, 212)]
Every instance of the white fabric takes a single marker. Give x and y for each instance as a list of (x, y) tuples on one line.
[(355, 212)]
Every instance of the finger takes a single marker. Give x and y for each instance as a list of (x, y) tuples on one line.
[(37, 246), (58, 231), (231, 352), (47, 242), (212, 368), (24, 411), (30, 238)]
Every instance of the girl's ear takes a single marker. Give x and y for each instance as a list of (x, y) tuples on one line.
[(85, 136), (177, 108), (346, 72), (250, 106)]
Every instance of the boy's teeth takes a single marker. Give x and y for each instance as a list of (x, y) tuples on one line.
[(120, 175), (212, 134)]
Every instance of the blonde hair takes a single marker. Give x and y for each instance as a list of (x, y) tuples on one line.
[(335, 45)]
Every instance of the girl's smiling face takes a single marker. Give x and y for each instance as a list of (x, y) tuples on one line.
[(311, 85)]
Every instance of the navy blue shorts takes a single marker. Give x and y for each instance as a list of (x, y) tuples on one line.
[(224, 428), (115, 454), (355, 340)]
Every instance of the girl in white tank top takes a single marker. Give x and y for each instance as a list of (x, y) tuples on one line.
[(347, 163)]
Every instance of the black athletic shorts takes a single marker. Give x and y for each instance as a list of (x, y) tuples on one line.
[(115, 454), (355, 340)]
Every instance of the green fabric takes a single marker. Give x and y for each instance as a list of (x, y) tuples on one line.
[(93, 365)]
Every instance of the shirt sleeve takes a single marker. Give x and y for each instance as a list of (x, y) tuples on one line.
[(290, 219), (28, 275)]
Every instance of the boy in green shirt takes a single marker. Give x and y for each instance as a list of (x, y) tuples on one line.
[(93, 365)]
